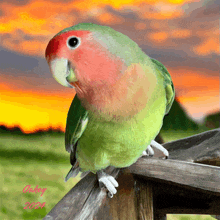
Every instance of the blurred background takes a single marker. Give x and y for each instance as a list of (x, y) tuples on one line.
[(182, 34)]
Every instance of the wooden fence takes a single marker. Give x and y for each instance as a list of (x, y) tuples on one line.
[(187, 183)]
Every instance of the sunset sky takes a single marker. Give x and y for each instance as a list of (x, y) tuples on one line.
[(182, 34)]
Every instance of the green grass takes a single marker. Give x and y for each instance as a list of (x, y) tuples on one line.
[(171, 135), (35, 160), (42, 160), (190, 217)]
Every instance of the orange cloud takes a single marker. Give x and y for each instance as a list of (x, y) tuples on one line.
[(198, 93), (108, 19), (43, 18), (193, 79), (33, 47), (36, 19), (198, 108), (33, 111), (180, 33), (83, 4), (161, 36), (140, 25), (33, 16), (162, 15), (158, 37), (208, 47)]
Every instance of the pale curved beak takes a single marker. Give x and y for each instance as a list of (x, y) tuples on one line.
[(62, 72)]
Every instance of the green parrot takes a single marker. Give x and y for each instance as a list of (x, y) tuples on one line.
[(121, 98)]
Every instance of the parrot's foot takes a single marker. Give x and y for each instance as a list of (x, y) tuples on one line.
[(107, 181), (149, 152), (154, 144)]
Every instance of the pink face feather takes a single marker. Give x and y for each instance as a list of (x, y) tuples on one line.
[(92, 63), (104, 83)]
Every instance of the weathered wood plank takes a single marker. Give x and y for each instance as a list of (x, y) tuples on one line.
[(180, 172), (191, 141), (82, 201), (73, 201), (133, 200), (122, 206), (144, 200), (202, 148)]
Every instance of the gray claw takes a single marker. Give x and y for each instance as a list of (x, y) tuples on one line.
[(160, 148), (149, 152)]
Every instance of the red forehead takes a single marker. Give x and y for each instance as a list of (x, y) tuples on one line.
[(59, 41)]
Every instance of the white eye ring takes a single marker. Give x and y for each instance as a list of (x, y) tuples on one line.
[(73, 42)]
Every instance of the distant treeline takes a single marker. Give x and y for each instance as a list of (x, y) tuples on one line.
[(176, 119), (213, 120), (17, 130)]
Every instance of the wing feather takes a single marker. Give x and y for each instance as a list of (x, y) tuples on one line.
[(168, 84), (77, 120)]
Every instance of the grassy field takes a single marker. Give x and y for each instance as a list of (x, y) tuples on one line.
[(41, 160)]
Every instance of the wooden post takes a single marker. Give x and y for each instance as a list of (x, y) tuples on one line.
[(122, 205), (144, 200), (134, 200)]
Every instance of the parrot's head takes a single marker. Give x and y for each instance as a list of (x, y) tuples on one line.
[(105, 67), (86, 56)]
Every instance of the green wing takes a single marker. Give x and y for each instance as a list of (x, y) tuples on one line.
[(168, 84), (76, 123)]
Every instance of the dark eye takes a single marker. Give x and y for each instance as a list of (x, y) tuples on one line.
[(73, 42)]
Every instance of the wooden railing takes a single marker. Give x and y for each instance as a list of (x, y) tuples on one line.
[(186, 183)]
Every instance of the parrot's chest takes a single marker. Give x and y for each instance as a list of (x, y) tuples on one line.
[(119, 144), (122, 123), (122, 100)]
